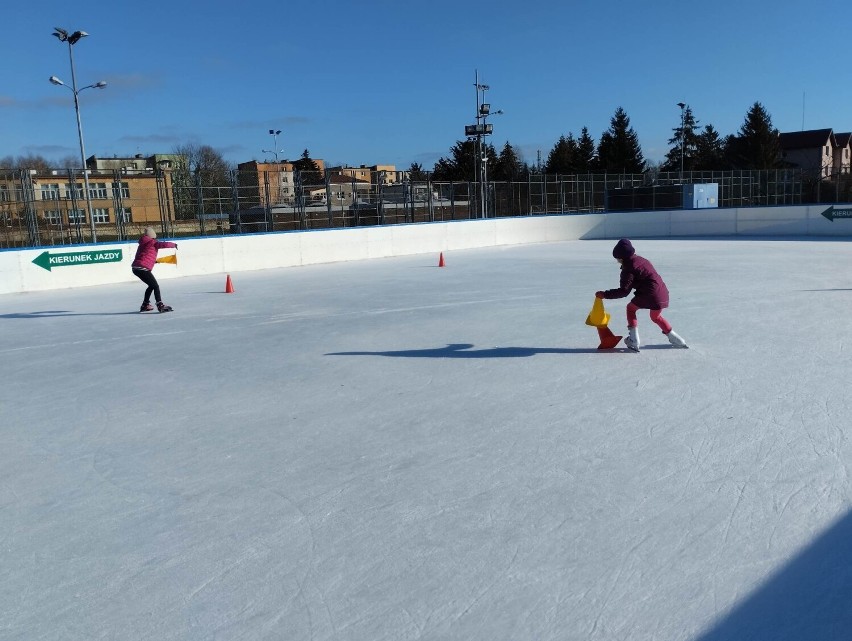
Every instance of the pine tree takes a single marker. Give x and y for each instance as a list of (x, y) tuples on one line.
[(618, 149), (586, 159), (309, 170), (563, 157), (684, 138), (756, 145), (416, 173), (508, 166), (460, 165), (709, 150)]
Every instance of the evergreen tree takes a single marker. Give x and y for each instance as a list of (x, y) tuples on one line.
[(709, 150), (509, 165), (684, 139), (618, 149), (585, 158), (416, 173), (462, 163), (309, 170), (756, 145), (563, 157), (491, 155)]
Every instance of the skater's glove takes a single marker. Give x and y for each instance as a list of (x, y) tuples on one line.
[(599, 294)]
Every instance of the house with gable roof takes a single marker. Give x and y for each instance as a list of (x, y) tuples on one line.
[(818, 150), (811, 150)]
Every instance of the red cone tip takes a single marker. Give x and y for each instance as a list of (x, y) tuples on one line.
[(441, 260), (608, 339), (229, 286)]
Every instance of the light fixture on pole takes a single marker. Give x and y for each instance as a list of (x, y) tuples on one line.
[(274, 133), (682, 106), (63, 36), (475, 133)]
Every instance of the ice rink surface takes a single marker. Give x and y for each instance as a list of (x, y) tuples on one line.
[(388, 450)]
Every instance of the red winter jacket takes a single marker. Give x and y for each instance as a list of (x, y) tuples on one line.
[(638, 273), (146, 253)]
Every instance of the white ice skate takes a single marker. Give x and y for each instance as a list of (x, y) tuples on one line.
[(632, 340), (676, 340)]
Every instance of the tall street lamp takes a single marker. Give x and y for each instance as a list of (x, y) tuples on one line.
[(72, 39), (274, 133), (682, 106), (475, 133)]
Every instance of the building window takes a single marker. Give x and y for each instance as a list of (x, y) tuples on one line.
[(100, 214), (74, 191), (76, 216), (50, 191), (53, 217), (4, 193), (126, 215), (121, 189), (285, 190), (98, 191)]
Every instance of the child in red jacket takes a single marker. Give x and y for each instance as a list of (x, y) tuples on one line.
[(146, 256), (651, 293)]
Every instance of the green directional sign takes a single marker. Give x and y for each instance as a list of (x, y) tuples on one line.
[(837, 212), (48, 260)]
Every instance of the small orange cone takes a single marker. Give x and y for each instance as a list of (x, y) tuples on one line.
[(441, 260), (229, 286), (608, 339)]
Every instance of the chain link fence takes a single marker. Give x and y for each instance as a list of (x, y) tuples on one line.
[(51, 209)]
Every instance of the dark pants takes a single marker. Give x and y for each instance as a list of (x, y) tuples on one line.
[(153, 286)]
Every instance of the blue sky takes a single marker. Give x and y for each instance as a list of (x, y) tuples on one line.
[(378, 82)]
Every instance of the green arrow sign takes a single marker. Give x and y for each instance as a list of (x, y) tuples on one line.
[(48, 261), (831, 213)]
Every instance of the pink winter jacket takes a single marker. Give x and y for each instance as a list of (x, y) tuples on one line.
[(146, 254)]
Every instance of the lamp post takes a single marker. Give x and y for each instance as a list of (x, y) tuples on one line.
[(72, 39), (682, 106), (476, 132), (274, 133)]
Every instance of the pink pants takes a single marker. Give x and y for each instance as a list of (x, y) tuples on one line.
[(656, 316)]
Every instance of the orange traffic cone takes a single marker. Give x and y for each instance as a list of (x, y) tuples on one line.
[(441, 260), (608, 339), (229, 286)]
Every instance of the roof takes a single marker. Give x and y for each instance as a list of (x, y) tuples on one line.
[(810, 139), (337, 179), (844, 139)]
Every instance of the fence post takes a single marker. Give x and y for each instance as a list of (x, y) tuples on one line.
[(118, 206), (235, 196), (267, 201), (29, 207)]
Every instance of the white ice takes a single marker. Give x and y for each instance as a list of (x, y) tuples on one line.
[(387, 450)]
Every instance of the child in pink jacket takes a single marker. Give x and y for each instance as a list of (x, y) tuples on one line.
[(651, 293), (146, 256)]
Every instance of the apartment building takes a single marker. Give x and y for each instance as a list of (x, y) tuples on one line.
[(266, 183), (263, 183), (375, 174), (59, 197)]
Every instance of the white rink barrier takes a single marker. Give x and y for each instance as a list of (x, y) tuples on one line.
[(23, 270)]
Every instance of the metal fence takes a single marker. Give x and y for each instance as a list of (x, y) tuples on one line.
[(51, 209)]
